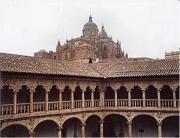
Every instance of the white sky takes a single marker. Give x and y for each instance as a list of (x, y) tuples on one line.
[(146, 28)]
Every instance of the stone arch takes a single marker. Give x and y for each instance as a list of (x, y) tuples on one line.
[(87, 93), (39, 94), (54, 93), (166, 92), (78, 93), (66, 94), (6, 95), (151, 92), (93, 114), (39, 121), (122, 92), (71, 117), (4, 126), (114, 113), (170, 126), (23, 94), (136, 92), (145, 114), (109, 93), (47, 127), (168, 115), (115, 125), (144, 125)]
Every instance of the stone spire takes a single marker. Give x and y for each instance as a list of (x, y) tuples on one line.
[(58, 46), (103, 33)]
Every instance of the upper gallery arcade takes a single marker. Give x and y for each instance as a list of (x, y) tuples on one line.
[(93, 44)]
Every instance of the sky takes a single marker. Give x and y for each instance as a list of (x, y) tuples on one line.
[(146, 28)]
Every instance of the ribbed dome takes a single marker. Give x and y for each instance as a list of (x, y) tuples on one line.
[(90, 24)]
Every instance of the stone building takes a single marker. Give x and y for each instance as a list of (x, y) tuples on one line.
[(115, 97), (92, 44)]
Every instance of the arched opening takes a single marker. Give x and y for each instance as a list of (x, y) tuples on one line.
[(39, 95), (144, 126), (6, 95), (78, 97), (47, 128), (166, 92), (15, 131), (23, 100), (71, 128), (136, 97), (6, 98), (151, 96), (136, 92), (122, 93), (115, 126), (23, 95), (92, 127), (39, 99), (96, 97), (87, 97), (109, 93), (97, 93), (87, 94), (170, 126), (166, 95), (54, 94), (66, 95)]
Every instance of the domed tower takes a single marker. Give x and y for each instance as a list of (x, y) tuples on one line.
[(90, 30)]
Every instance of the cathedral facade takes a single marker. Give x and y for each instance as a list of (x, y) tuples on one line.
[(93, 44)]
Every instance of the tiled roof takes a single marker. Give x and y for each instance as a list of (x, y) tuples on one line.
[(124, 68)]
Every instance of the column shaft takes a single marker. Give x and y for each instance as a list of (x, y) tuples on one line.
[(159, 98), (83, 130), (115, 97), (129, 98), (31, 101), (14, 102), (129, 129), (101, 129), (92, 99), (46, 100), (82, 99), (159, 130), (72, 99), (59, 133), (60, 99), (174, 98), (144, 98)]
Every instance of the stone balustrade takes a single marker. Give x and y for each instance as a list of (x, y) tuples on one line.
[(7, 109)]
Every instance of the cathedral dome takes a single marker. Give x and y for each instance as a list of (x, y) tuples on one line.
[(90, 25)]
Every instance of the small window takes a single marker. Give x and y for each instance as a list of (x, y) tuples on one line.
[(105, 48), (66, 56)]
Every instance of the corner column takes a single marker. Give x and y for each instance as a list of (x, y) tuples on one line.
[(15, 102), (46, 100), (31, 101), (72, 99), (101, 128)]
